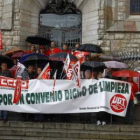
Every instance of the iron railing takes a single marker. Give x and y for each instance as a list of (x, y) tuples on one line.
[(131, 58)]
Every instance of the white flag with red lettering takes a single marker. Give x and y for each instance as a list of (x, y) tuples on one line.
[(68, 68), (76, 72), (20, 69), (67, 63), (45, 74), (17, 93), (1, 45)]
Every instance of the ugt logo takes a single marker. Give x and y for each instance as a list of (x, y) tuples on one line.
[(118, 103)]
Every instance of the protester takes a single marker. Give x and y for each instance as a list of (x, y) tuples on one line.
[(86, 117), (15, 60), (65, 49), (88, 74), (109, 74), (129, 118), (88, 57), (39, 70), (31, 72), (77, 46), (38, 117), (95, 74), (53, 49), (32, 49), (101, 117), (4, 72), (41, 50), (100, 75)]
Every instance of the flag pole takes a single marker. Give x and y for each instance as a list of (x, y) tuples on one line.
[(54, 83)]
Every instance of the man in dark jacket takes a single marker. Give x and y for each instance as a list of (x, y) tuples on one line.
[(4, 72)]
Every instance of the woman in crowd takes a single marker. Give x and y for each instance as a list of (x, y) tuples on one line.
[(32, 49), (65, 49)]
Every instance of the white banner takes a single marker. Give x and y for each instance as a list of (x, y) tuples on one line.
[(96, 95)]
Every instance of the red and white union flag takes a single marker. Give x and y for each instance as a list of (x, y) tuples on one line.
[(45, 74), (76, 71), (1, 45), (17, 93)]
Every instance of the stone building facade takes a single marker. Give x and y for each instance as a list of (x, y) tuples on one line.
[(104, 22)]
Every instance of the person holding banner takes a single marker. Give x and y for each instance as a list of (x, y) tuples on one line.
[(4, 72), (31, 73), (101, 117), (86, 117), (88, 74), (129, 118)]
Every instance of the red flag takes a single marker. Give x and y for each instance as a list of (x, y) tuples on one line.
[(68, 68), (81, 56), (54, 81), (69, 73), (76, 71), (1, 45), (45, 74), (17, 93)]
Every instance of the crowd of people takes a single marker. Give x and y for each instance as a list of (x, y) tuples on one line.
[(53, 49), (33, 73)]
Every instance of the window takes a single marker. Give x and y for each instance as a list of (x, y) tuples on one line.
[(63, 29), (134, 7), (61, 23)]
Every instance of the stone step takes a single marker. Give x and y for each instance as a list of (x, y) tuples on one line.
[(75, 134), (38, 138), (56, 131), (70, 126)]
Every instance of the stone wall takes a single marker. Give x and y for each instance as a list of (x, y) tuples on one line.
[(9, 22), (105, 22), (90, 23), (29, 20), (121, 29), (25, 20)]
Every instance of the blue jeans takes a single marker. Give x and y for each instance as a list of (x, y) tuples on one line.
[(3, 114)]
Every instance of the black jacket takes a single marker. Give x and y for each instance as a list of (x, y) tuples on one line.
[(5, 73)]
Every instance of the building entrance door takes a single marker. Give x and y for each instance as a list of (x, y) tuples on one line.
[(62, 27)]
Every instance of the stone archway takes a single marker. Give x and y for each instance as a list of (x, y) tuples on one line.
[(61, 22), (29, 18)]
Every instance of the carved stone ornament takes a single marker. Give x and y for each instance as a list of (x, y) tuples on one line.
[(61, 7)]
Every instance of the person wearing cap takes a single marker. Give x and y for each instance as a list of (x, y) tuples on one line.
[(53, 49), (41, 50)]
